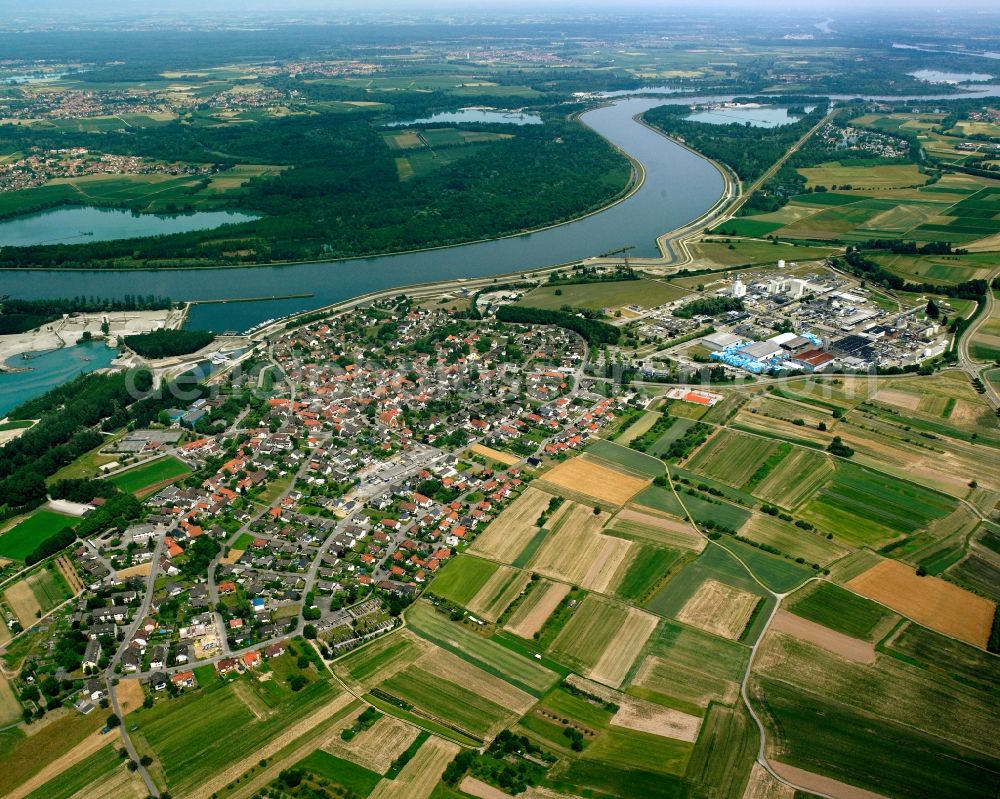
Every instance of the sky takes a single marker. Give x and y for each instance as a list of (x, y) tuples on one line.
[(105, 8)]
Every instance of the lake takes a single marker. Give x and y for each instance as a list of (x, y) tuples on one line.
[(80, 224), (937, 76), (762, 116), (475, 115), (679, 186), (48, 370)]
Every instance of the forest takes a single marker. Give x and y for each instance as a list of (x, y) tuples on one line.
[(748, 150), (168, 343), (342, 195)]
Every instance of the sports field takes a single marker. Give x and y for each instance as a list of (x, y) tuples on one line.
[(157, 473), (22, 539)]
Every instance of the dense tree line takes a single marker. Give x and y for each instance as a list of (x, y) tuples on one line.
[(855, 262), (709, 306), (342, 195), (748, 150), (17, 316), (167, 343), (592, 330)]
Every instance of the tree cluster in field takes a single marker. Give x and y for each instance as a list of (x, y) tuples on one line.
[(855, 262), (592, 330), (167, 343), (18, 316), (504, 764)]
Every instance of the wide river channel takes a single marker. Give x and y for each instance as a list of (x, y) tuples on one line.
[(679, 187)]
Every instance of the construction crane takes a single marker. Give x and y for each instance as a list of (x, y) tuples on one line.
[(620, 251)]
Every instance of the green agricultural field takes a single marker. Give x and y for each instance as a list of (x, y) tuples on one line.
[(445, 701), (22, 539), (676, 431), (461, 578), (979, 574), (777, 573), (488, 655), (791, 540), (863, 508), (588, 632), (224, 724), (642, 751), (858, 748), (687, 669), (732, 457), (152, 474), (713, 564), (25, 755), (585, 777), (702, 510), (962, 662), (648, 568), (841, 610), (939, 269), (801, 473), (93, 770), (619, 456), (725, 752), (337, 771), (661, 499), (363, 663), (644, 293), (738, 252)]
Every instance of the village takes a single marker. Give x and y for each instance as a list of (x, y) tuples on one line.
[(393, 437)]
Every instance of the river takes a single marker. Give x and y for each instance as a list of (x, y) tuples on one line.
[(679, 186)]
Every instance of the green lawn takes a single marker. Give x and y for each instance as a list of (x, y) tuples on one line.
[(344, 773), (18, 542), (135, 480), (609, 294)]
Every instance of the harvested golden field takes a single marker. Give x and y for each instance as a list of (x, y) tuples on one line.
[(763, 786), (593, 480), (481, 790), (830, 640), (719, 608), (602, 639), (820, 784), (628, 642), (643, 716), (505, 458), (130, 694), (233, 556), (376, 747), (421, 774), (142, 570), (22, 601), (576, 551), (930, 601), (502, 588), (511, 531), (533, 612)]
